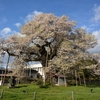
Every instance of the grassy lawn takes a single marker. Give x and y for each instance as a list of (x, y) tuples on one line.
[(51, 93)]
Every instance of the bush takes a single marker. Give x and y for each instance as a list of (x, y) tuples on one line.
[(25, 80), (39, 82), (71, 82), (46, 85)]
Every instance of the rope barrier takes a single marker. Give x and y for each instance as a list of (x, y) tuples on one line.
[(52, 93), (86, 93), (49, 93), (13, 92)]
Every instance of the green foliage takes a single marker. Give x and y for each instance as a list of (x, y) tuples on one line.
[(26, 80), (46, 85), (39, 82), (71, 82)]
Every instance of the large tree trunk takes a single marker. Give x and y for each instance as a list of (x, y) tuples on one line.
[(44, 69)]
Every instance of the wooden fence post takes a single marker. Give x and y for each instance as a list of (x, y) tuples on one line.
[(1, 94), (34, 97), (72, 95)]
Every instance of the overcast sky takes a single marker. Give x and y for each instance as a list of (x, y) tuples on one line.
[(14, 13)]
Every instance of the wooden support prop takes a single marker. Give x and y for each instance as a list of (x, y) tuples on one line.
[(84, 79), (72, 95), (76, 77)]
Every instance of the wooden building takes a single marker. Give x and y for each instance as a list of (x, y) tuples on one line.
[(59, 79)]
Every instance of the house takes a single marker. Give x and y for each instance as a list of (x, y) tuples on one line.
[(34, 69)]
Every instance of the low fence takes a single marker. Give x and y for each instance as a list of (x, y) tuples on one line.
[(51, 96)]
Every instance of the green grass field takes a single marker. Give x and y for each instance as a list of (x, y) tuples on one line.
[(51, 93)]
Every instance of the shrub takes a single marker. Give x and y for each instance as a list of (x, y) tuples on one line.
[(71, 82), (25, 80), (39, 82), (46, 85)]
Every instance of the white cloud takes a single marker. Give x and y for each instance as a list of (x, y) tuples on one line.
[(96, 12), (97, 48), (37, 13), (18, 24), (88, 29), (31, 15), (6, 32), (97, 34)]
